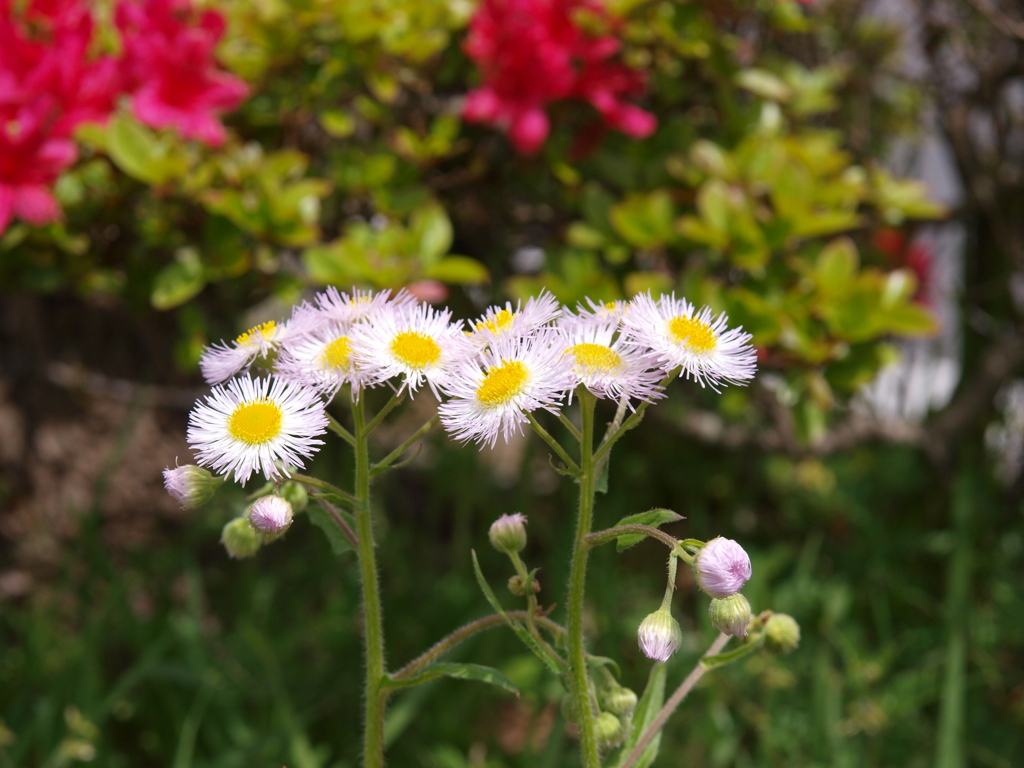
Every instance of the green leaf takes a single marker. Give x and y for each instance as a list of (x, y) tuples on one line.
[(645, 220), (646, 710), (910, 320), (721, 659), (322, 519), (521, 632), (432, 230), (338, 124), (460, 270), (654, 518), (837, 267), (179, 281), (133, 148), (764, 84), (460, 671)]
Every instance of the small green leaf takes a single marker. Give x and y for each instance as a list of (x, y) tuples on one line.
[(646, 710), (338, 124), (521, 632), (654, 518), (764, 84), (134, 149), (322, 519), (179, 281), (460, 270), (645, 220), (460, 671), (432, 230), (721, 659)]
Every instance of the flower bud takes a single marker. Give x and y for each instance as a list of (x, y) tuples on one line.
[(516, 586), (619, 701), (240, 539), (659, 635), (781, 633), (508, 533), (271, 515), (191, 486), (295, 494), (730, 615), (609, 731), (722, 567)]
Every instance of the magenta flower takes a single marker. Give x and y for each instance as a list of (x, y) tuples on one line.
[(722, 567), (172, 71), (532, 53)]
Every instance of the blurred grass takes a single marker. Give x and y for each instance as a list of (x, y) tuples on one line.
[(177, 656)]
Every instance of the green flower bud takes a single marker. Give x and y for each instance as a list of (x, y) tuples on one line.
[(659, 635), (619, 701), (781, 633), (295, 494), (508, 533), (730, 615), (240, 539), (191, 486), (609, 731), (516, 586)]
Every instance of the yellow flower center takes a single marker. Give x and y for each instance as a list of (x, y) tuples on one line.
[(336, 354), (415, 349), (596, 358), (609, 305), (252, 335), (694, 333), (256, 422), (501, 321), (502, 383)]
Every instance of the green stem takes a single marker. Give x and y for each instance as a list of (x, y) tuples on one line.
[(578, 676), (390, 459), (674, 701), (610, 534), (335, 426), (323, 485), (445, 644), (375, 698), (555, 446), (395, 400), (567, 423)]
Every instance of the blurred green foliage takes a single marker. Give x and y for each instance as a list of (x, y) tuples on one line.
[(758, 195)]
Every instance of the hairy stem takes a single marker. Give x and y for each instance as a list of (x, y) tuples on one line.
[(558, 449), (578, 678), (375, 697), (444, 645), (610, 534), (674, 701), (323, 485), (390, 459)]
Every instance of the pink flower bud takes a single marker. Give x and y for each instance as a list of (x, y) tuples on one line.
[(529, 130), (722, 567), (508, 533), (271, 515), (659, 635), (191, 486)]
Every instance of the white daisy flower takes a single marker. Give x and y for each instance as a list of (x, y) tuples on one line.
[(604, 364), (614, 309), (523, 320), (322, 359), (704, 347), (251, 425), (416, 342), (513, 375), (223, 360), (337, 307)]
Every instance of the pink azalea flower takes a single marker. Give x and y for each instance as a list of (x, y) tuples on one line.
[(170, 63), (531, 53)]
